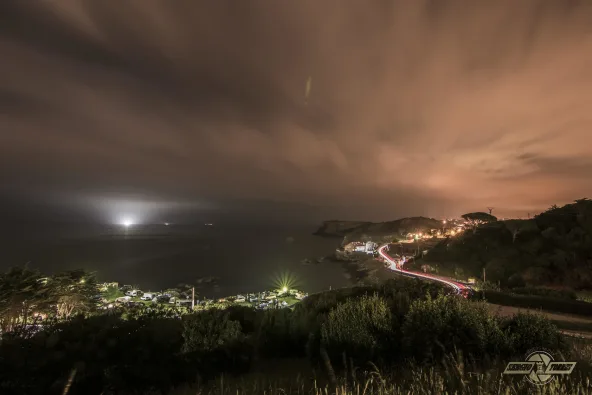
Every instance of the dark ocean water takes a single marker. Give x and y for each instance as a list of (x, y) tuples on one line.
[(245, 258)]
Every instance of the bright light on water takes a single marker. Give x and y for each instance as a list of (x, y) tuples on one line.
[(127, 222)]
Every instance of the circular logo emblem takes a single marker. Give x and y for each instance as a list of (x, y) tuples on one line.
[(542, 359)]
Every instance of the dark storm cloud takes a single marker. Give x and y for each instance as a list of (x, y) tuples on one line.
[(424, 107)]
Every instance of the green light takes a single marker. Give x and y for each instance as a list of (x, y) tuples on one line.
[(285, 281)]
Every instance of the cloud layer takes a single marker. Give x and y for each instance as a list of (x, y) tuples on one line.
[(416, 107)]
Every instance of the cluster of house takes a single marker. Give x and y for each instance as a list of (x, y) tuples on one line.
[(408, 248), (368, 247), (262, 300), (450, 227)]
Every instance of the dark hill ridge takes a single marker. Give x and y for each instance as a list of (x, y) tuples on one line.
[(378, 232), (336, 228), (553, 249)]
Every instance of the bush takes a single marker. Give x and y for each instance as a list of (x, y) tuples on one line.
[(309, 315), (209, 330), (248, 317), (357, 327), (532, 331), (276, 338), (214, 343), (436, 327), (107, 352)]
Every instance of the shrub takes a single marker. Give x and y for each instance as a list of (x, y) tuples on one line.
[(215, 344), (435, 327), (275, 337), (357, 327), (526, 331), (309, 315), (248, 317), (209, 330), (107, 351)]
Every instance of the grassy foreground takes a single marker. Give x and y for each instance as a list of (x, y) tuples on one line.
[(403, 336), (454, 378)]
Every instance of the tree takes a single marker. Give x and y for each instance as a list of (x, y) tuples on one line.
[(515, 226), (458, 272), (479, 218), (22, 291), (496, 270), (112, 292), (72, 292)]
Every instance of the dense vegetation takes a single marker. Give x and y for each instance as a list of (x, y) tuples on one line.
[(401, 324), (553, 249)]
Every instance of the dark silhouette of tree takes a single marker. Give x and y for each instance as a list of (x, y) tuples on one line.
[(22, 292), (73, 291), (474, 220)]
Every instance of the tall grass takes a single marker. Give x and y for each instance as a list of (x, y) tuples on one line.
[(416, 382), (452, 377)]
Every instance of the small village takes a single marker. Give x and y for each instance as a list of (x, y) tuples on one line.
[(115, 296), (413, 244)]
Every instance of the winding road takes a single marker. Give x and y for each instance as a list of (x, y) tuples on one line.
[(458, 287)]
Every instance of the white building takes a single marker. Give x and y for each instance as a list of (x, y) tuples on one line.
[(370, 247)]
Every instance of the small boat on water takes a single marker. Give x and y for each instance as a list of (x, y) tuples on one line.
[(306, 261), (208, 224)]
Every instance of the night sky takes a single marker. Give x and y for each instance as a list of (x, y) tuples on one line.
[(415, 107)]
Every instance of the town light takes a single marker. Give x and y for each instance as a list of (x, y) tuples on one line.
[(285, 281)]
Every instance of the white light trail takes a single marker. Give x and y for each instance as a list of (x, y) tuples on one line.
[(456, 286)]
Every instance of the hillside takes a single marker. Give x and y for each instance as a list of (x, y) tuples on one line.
[(336, 228), (378, 232), (553, 249)]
